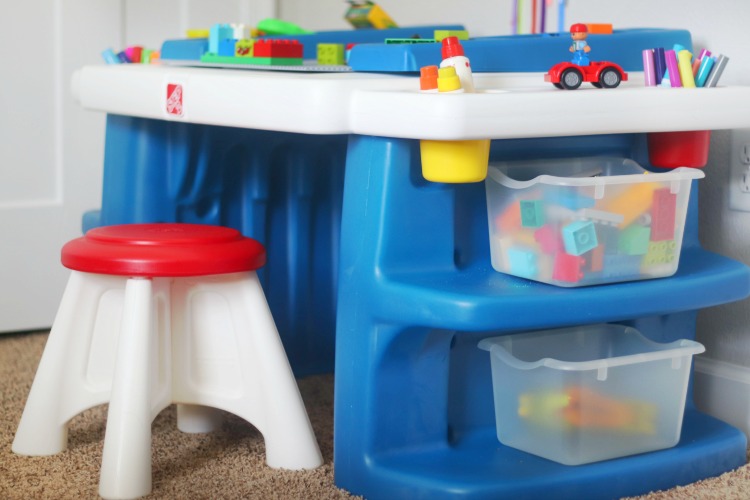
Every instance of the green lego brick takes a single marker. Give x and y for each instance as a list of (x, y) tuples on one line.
[(331, 54), (532, 213), (260, 61), (392, 41), (660, 252), (460, 34), (634, 240)]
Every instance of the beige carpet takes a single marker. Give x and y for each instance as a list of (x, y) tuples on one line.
[(228, 464)]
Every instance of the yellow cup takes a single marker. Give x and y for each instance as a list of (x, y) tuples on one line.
[(455, 161)]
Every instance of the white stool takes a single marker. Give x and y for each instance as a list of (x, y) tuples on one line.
[(155, 314)]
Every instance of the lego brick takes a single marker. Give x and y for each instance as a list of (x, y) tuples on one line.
[(532, 213), (663, 211), (549, 240), (660, 252), (579, 237), (621, 266), (568, 268), (634, 240), (595, 259), (368, 15), (278, 49), (569, 198), (260, 61), (244, 48), (509, 220), (331, 54), (522, 262), (409, 40), (460, 34), (216, 34), (226, 47)]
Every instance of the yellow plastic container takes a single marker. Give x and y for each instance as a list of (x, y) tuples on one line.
[(455, 161)]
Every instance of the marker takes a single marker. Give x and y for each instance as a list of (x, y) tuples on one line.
[(648, 68), (719, 65), (686, 69), (698, 60), (707, 63), (660, 64), (673, 68)]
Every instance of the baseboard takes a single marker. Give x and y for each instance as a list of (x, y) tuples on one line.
[(722, 390)]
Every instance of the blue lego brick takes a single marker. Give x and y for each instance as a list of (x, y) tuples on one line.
[(579, 237), (621, 266), (190, 49), (226, 47), (568, 197), (522, 262)]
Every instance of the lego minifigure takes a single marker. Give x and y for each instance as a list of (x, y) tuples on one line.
[(579, 47)]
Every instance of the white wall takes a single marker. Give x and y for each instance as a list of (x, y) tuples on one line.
[(721, 27)]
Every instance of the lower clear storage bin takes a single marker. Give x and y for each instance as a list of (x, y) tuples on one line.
[(596, 220), (590, 393)]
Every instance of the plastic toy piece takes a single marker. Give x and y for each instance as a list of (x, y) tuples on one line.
[(660, 252), (663, 210), (440, 35), (707, 63), (448, 80), (532, 213), (428, 79), (621, 267), (134, 53), (570, 76), (227, 47), (718, 69), (368, 15), (198, 33), (600, 28), (522, 262), (596, 259), (453, 56), (278, 49), (568, 268), (549, 240), (110, 57), (579, 237), (600, 216), (244, 48), (272, 26), (391, 41), (569, 198), (580, 48), (632, 202), (331, 54), (259, 61), (673, 69), (217, 33), (634, 240), (660, 64), (509, 220), (455, 161)]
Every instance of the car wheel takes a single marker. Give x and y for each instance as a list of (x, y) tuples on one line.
[(610, 78), (571, 79), (558, 85)]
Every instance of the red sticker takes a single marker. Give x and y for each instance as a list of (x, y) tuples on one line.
[(174, 99)]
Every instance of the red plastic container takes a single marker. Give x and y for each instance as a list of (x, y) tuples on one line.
[(679, 149)]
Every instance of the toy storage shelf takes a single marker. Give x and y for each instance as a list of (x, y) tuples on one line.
[(411, 416), (486, 299)]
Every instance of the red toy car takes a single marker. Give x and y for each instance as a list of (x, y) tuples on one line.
[(569, 76)]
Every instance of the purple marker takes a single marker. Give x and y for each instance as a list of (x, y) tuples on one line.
[(673, 68), (649, 74), (660, 64)]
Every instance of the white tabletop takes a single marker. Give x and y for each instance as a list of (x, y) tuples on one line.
[(507, 105)]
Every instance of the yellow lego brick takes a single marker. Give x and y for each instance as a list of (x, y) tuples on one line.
[(460, 34)]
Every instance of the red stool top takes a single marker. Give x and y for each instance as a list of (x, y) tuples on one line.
[(160, 250)]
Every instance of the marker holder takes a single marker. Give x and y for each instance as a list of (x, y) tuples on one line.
[(679, 149)]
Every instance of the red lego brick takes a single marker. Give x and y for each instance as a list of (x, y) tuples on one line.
[(549, 239), (278, 48), (568, 268), (663, 211)]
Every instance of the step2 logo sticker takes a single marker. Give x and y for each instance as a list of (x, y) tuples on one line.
[(174, 99)]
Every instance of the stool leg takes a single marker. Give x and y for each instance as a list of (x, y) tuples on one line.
[(62, 386), (289, 438), (196, 419), (126, 458), (248, 374)]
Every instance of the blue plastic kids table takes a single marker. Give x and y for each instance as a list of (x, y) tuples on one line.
[(324, 169)]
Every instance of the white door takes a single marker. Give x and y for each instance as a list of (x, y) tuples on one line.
[(51, 150)]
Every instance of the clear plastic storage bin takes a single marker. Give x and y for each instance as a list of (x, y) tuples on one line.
[(596, 220), (585, 394)]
